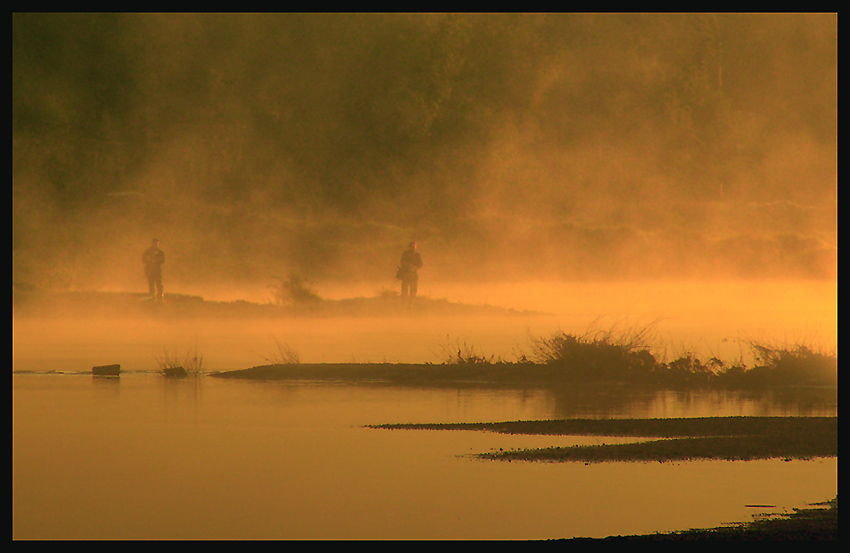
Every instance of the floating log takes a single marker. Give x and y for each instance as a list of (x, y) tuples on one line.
[(106, 370)]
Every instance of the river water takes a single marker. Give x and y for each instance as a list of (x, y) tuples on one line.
[(144, 457)]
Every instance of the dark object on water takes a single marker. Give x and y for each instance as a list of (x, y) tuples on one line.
[(106, 370), (175, 372)]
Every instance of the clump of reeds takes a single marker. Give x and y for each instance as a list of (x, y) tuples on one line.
[(624, 354), (689, 369), (598, 353), (796, 364), (462, 353), (284, 355), (173, 365)]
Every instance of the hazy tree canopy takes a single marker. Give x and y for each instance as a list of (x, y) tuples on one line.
[(273, 135)]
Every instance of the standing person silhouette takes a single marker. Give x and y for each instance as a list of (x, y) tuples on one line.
[(408, 272), (153, 259)]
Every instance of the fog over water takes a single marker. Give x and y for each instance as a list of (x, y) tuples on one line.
[(558, 147), (556, 170)]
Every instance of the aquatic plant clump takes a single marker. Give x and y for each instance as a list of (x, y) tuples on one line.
[(797, 364), (583, 357), (173, 365), (463, 353), (609, 355), (622, 356)]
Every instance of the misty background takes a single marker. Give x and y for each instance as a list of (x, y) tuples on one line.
[(510, 146)]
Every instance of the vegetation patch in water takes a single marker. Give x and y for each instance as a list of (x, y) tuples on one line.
[(564, 359), (626, 356), (730, 438)]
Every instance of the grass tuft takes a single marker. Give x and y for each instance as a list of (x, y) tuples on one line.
[(189, 364), (284, 355)]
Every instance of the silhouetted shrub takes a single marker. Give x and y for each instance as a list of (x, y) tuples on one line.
[(797, 365), (608, 355), (598, 354), (292, 291)]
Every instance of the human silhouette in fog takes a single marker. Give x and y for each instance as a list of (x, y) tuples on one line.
[(408, 271), (153, 259)]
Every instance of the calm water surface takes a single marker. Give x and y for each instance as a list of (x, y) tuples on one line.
[(142, 456)]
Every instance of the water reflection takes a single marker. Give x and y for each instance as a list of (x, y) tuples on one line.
[(629, 402), (141, 456)]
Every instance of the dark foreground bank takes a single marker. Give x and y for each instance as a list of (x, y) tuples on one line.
[(819, 523)]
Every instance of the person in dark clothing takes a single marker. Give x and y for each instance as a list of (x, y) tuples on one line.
[(408, 271), (153, 259)]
